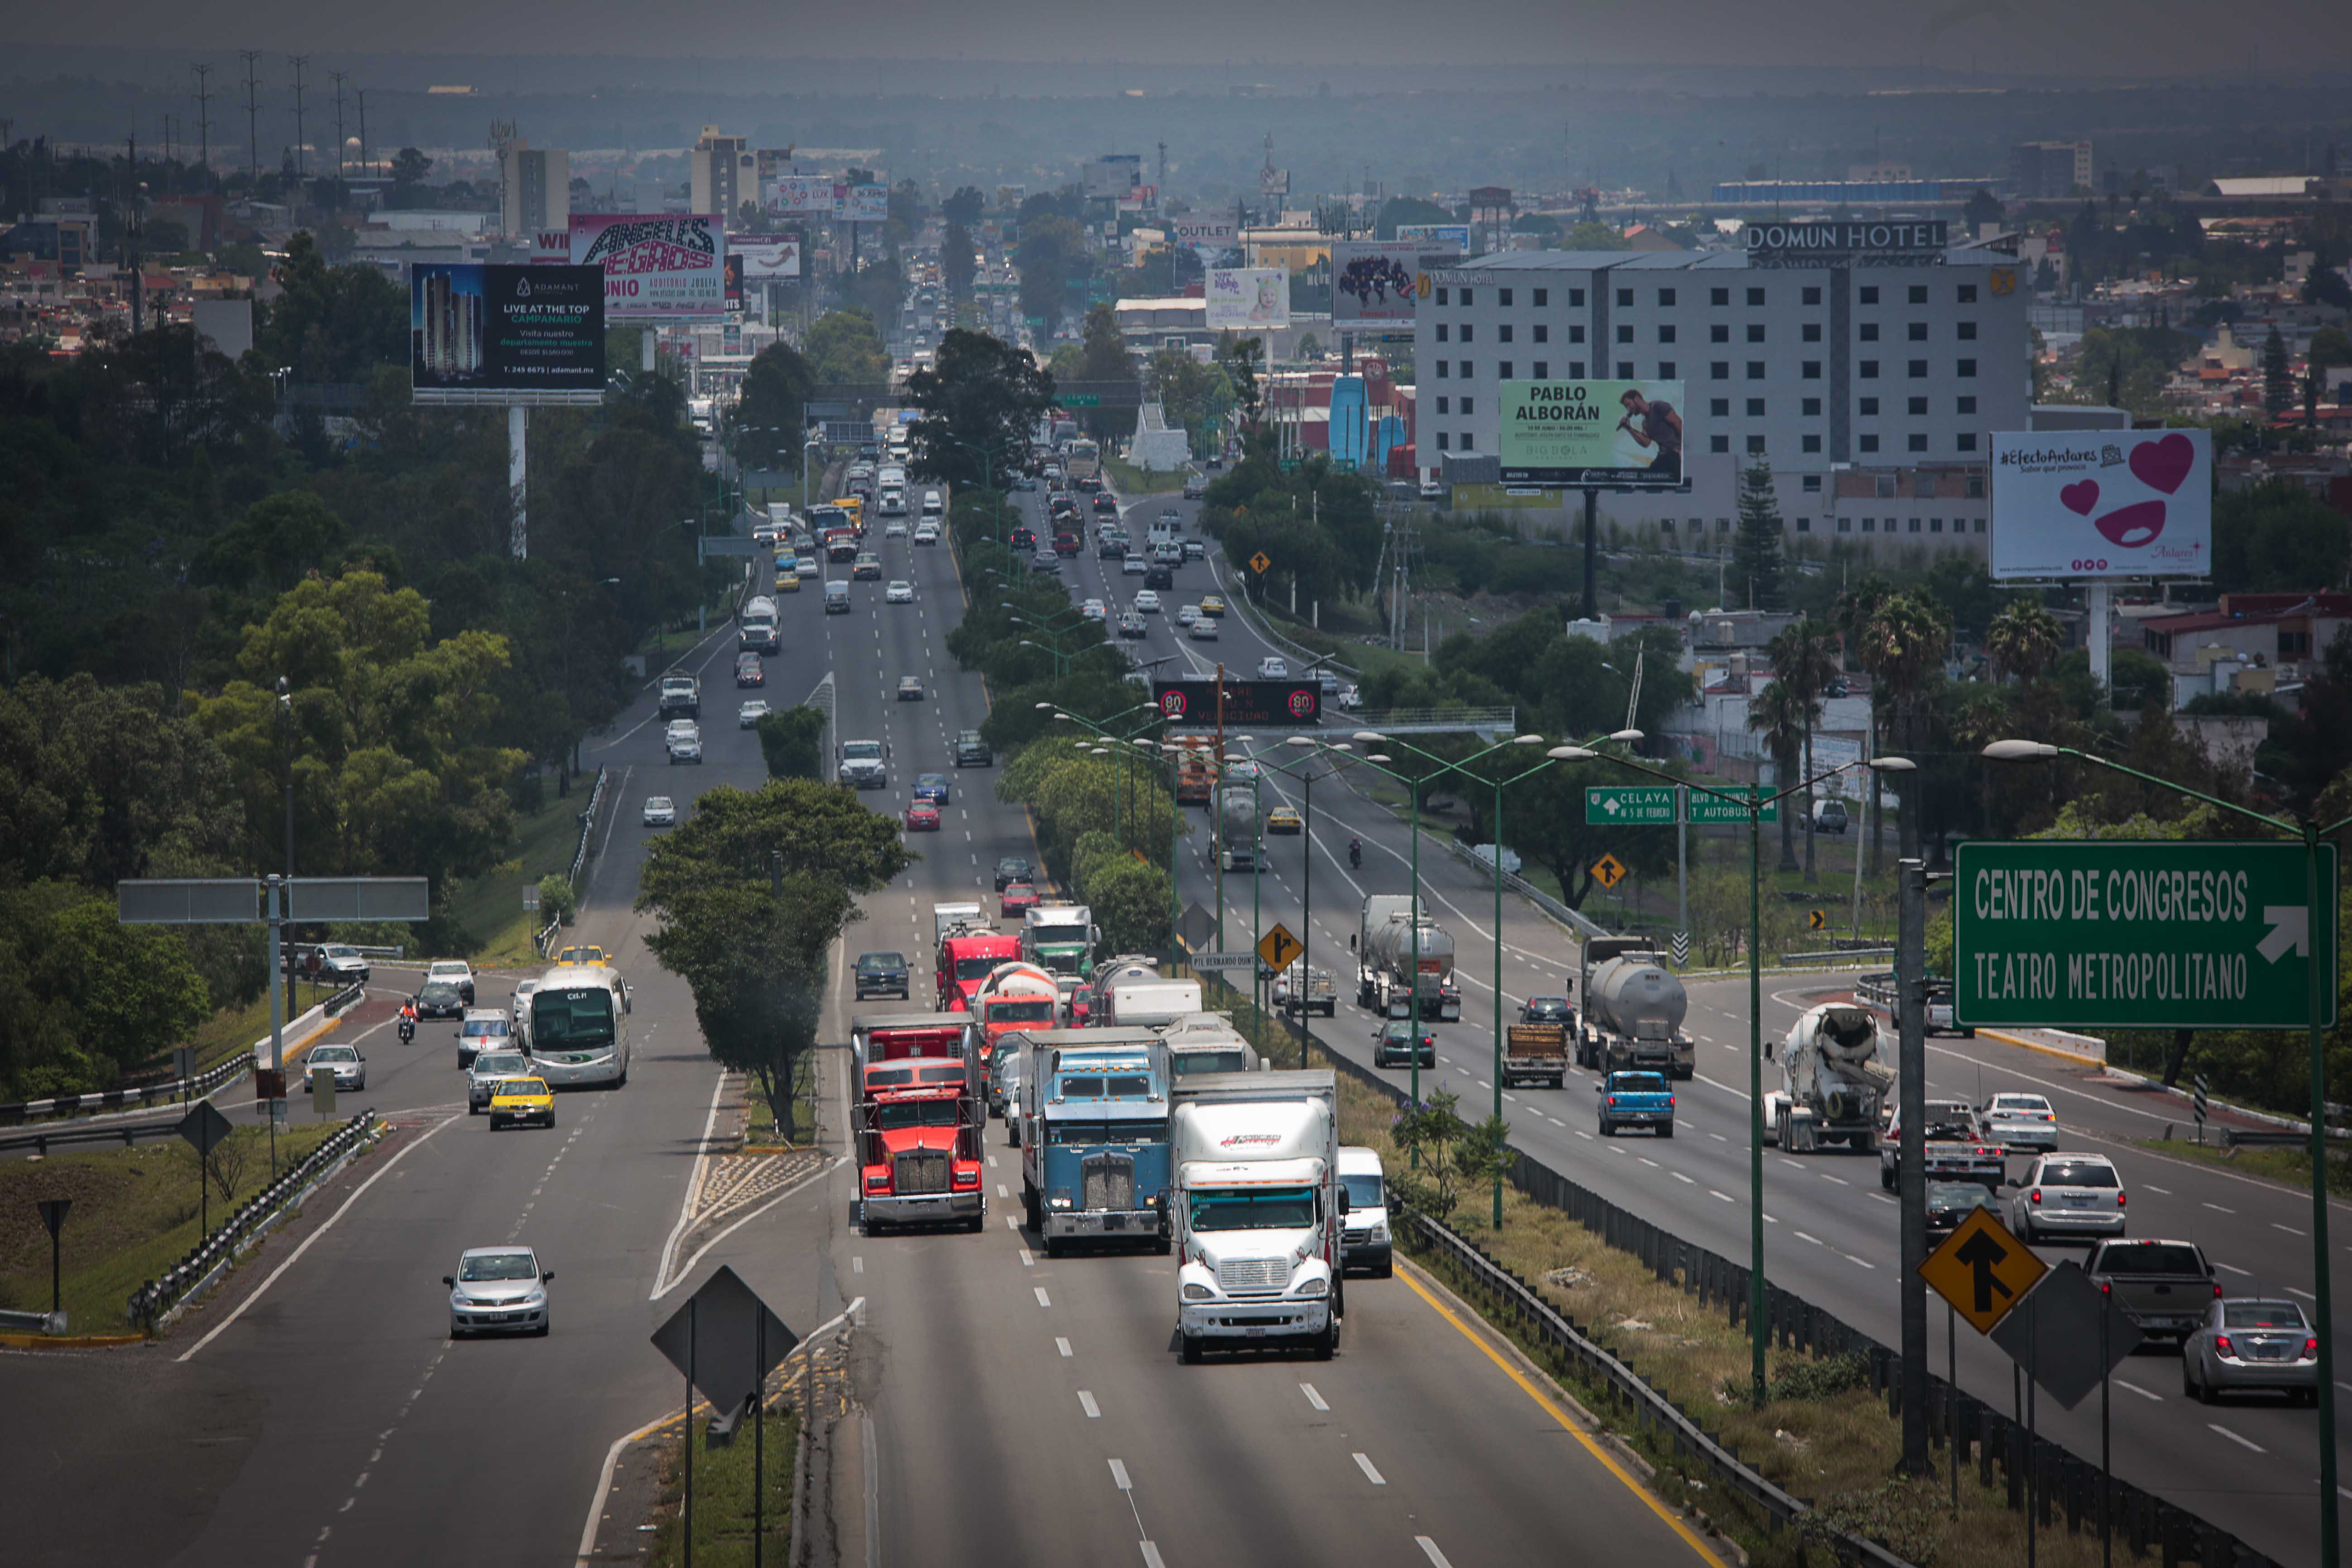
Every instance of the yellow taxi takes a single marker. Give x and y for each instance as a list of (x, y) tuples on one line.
[(580, 954), (522, 1100), (1283, 819), (1212, 605), (788, 574)]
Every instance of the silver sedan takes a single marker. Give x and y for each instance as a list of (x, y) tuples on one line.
[(497, 1290), (482, 1078), (348, 1065), (2246, 1343)]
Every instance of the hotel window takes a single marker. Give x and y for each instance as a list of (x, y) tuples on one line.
[(1813, 331), (1441, 297), (1718, 408), (1868, 443), (1754, 370), (1917, 442), (1576, 334), (1441, 369), (1980, 522), (1467, 331), (1667, 370), (1867, 295), (1919, 405), (1968, 441), (1869, 525), (1935, 524), (1812, 484), (1465, 443), (1883, 485), (1718, 297), (1466, 300), (1812, 368), (1719, 444), (1666, 334), (1813, 294), (1968, 294), (1441, 401), (1915, 524), (1755, 331), (1755, 408), (1626, 296), (1755, 444), (1919, 297), (1543, 369), (1469, 407), (1923, 487), (1624, 332), (1812, 444), (1441, 331), (1624, 369), (1968, 331), (1465, 370), (1918, 369), (1870, 331), (1576, 370), (1918, 331), (1440, 441), (1812, 409), (1543, 332), (1804, 524), (1503, 297), (1974, 488), (1968, 405), (1503, 332), (1845, 525), (1503, 370), (1575, 299), (1719, 333), (1719, 370), (1967, 368), (1543, 298), (1756, 297), (1666, 297)]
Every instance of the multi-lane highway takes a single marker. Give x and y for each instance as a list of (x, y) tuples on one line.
[(1832, 1233)]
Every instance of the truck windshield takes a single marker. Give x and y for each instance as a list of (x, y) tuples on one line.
[(862, 751), (1363, 1191), (890, 1116), (1122, 1086), (1187, 1062), (570, 1021), (975, 968), (1272, 1208), (1088, 1131), (1062, 960), (1039, 1012)]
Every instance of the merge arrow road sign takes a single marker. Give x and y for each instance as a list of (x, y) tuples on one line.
[(1608, 871), (2139, 934), (1982, 1270), (1260, 561), (1278, 947), (1644, 804)]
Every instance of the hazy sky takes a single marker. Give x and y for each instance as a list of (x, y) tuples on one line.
[(2074, 38)]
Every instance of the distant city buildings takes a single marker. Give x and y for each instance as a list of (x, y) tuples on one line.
[(535, 190), (722, 173), (2040, 171)]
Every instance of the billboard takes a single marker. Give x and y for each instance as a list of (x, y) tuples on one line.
[(862, 204), (1210, 237), (484, 334), (1373, 280), (1436, 237), (765, 260), (658, 267), (1114, 176), (1244, 297), (801, 195), (2102, 503), (1626, 434), (1255, 705)]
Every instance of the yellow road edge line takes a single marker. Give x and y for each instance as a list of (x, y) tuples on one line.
[(69, 1342), (2076, 1057), (1552, 1407)]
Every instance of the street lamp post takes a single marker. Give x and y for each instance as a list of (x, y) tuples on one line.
[(1753, 803), (2310, 832)]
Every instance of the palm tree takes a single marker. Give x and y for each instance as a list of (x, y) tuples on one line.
[(1805, 659), (1778, 714), (2023, 639), (1902, 644)]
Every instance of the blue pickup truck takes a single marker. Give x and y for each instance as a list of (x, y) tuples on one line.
[(1637, 1100)]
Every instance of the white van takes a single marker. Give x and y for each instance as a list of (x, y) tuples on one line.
[(894, 503), (1364, 1241), (931, 507)]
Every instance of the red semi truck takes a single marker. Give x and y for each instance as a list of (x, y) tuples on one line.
[(919, 1120), (969, 954)]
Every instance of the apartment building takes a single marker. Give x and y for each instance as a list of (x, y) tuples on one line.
[(1846, 370)]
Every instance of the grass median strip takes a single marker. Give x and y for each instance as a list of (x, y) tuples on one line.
[(135, 1213), (723, 1495)]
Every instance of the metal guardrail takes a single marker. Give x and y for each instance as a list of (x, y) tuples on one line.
[(160, 1296), (14, 1322), (1834, 955), (2044, 1475), (579, 856), (39, 1139), (1433, 720)]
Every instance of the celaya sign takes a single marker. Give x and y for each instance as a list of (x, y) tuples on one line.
[(2135, 934)]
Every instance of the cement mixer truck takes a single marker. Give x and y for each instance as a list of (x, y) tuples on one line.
[(1389, 945), (1633, 1010), (1837, 1072)]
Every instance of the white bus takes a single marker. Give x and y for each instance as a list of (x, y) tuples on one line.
[(580, 1027)]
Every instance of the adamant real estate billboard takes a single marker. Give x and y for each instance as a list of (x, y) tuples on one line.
[(502, 334)]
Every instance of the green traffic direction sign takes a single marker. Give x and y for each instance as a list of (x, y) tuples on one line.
[(1078, 400), (1710, 809), (1606, 805), (2139, 934)]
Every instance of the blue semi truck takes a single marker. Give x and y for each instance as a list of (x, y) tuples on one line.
[(1094, 1134)]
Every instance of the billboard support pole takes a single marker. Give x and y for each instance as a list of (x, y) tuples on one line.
[(519, 530), (2096, 630), (1591, 533)]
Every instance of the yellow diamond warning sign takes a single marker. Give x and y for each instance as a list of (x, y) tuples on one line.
[(1260, 561), (1278, 947), (1982, 1270), (1608, 871)]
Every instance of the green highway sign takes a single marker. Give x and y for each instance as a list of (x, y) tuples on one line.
[(1078, 400), (1706, 809), (2139, 934), (1605, 805)]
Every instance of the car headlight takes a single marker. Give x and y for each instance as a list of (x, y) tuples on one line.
[(1380, 1230), (536, 1299), (1196, 1292), (1313, 1289)]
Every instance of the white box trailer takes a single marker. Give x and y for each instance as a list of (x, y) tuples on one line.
[(1258, 1211)]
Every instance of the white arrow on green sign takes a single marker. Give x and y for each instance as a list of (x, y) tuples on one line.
[(1605, 805), (2139, 934)]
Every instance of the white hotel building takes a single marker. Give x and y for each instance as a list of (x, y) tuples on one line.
[(1872, 382)]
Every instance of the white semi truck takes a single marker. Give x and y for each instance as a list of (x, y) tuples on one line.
[(1400, 960), (1633, 1010), (1258, 1211)]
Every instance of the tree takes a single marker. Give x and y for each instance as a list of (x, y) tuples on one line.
[(1901, 643), (331, 323), (792, 741), (772, 412), (1804, 656), (281, 540), (1410, 210), (1982, 208), (2278, 381), (2024, 639), (751, 894), (1309, 348), (1052, 250), (1242, 359), (957, 263), (409, 168), (84, 998), (842, 347), (981, 396), (1779, 715), (2277, 537), (1756, 561), (392, 773), (1195, 397), (964, 206)]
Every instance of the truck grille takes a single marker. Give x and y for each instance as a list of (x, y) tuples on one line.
[(923, 1171), (1251, 1276), (1108, 1182)]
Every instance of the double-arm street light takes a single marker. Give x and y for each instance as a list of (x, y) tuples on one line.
[(1753, 803), (2308, 830), (1338, 754), (1149, 752)]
